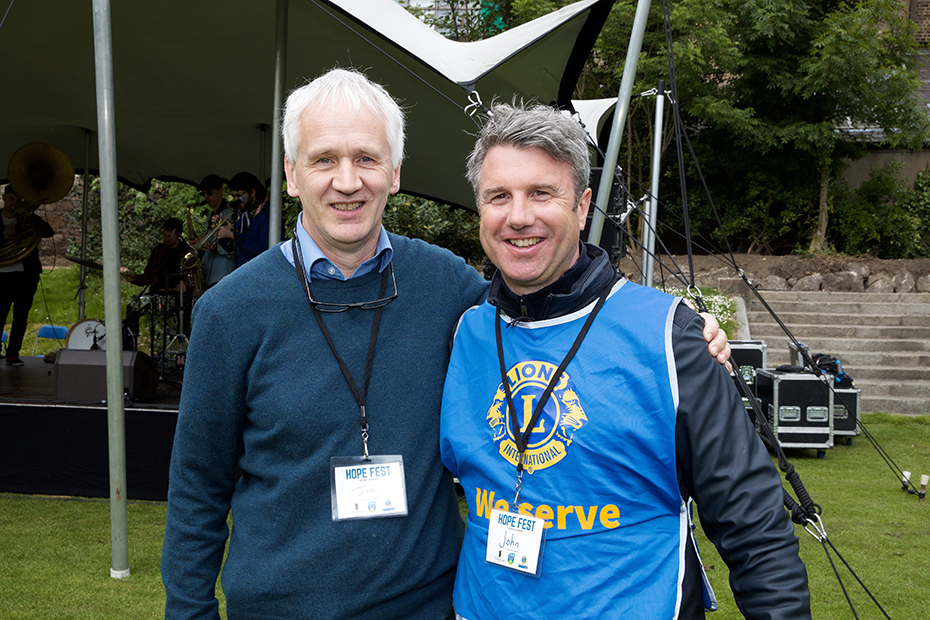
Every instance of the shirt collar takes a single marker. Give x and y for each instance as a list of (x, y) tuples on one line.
[(319, 267)]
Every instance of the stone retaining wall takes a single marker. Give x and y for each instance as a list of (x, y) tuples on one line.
[(52, 251), (858, 278)]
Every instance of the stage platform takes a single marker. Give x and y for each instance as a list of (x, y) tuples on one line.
[(52, 447)]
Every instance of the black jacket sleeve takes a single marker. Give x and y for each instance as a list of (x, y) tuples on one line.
[(45, 230), (724, 466)]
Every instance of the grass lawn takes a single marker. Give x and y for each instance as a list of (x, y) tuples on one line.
[(56, 551), (883, 533)]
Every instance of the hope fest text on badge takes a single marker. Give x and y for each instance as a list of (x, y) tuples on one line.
[(368, 472)]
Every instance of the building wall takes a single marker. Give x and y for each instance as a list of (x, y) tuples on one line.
[(919, 12), (911, 162)]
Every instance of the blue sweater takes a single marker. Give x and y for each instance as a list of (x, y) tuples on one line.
[(262, 391)]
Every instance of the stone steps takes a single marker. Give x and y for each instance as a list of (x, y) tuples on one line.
[(846, 308), (891, 373), (882, 340), (765, 331), (907, 405), (823, 318), (895, 388)]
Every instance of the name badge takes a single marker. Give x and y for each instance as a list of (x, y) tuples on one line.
[(368, 487), (515, 542)]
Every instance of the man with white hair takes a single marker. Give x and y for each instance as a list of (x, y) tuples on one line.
[(317, 370)]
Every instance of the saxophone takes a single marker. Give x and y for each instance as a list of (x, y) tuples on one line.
[(191, 261)]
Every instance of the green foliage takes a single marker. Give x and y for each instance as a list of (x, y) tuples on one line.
[(763, 202), (718, 304), (140, 218), (418, 218), (875, 219), (763, 88), (917, 204), (462, 20)]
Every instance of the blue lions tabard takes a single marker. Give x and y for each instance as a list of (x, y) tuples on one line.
[(600, 461)]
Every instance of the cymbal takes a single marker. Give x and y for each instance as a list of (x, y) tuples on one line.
[(85, 262)]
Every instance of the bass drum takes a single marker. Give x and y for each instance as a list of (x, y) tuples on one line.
[(84, 334)]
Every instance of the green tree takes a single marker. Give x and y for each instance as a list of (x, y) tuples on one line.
[(418, 218), (809, 68), (773, 96), (140, 217), (462, 20)]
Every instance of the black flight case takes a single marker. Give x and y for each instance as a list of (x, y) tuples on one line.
[(799, 408), (747, 357)]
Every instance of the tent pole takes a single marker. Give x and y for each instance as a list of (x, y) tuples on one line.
[(620, 114), (277, 161), (85, 199), (109, 219), (649, 226)]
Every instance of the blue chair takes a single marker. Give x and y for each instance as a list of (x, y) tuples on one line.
[(3, 343), (52, 332)]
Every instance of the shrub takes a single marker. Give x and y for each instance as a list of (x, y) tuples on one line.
[(876, 219)]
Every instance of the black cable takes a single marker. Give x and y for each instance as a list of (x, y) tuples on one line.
[(853, 573), (836, 572), (655, 256), (679, 151), (48, 311)]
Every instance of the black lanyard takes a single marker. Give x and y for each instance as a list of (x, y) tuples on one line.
[(360, 397), (521, 439)]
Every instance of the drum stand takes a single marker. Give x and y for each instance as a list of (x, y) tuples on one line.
[(161, 306), (179, 343)]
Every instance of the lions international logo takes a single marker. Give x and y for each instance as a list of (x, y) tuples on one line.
[(555, 429)]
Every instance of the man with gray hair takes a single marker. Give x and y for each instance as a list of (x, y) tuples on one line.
[(325, 396), (599, 405)]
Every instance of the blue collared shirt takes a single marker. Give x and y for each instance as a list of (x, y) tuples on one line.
[(319, 267)]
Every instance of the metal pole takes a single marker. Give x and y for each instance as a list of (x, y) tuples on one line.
[(620, 113), (109, 220), (84, 202), (649, 227), (277, 161)]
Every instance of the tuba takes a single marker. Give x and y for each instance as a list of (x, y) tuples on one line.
[(39, 173), (19, 247)]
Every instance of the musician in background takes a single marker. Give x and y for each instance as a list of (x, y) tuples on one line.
[(219, 256), (251, 231), (163, 273), (19, 276)]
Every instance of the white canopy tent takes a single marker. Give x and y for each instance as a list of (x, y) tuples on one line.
[(193, 82)]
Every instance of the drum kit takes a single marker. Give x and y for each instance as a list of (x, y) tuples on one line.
[(165, 314)]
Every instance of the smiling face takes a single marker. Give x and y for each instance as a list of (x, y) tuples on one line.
[(530, 221), (343, 176)]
